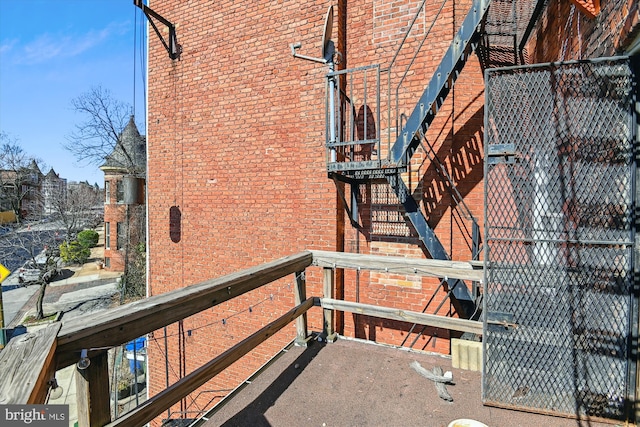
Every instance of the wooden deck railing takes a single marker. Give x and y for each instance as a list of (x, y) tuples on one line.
[(34, 357)]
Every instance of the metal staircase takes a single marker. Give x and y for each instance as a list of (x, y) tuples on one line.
[(356, 160), (454, 60)]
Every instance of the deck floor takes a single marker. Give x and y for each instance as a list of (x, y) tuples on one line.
[(351, 383)]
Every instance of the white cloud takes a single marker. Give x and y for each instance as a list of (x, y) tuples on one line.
[(48, 47), (42, 49), (7, 45)]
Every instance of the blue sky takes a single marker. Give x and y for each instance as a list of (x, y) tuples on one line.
[(52, 51)]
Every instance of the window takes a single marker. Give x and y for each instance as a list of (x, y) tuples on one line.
[(107, 235), (121, 231), (107, 192), (120, 192), (107, 262)]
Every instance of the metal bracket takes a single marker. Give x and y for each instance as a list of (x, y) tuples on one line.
[(173, 48), (295, 46), (501, 153), (351, 212), (500, 321)]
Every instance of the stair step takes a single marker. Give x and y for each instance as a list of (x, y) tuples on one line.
[(434, 95), (462, 46)]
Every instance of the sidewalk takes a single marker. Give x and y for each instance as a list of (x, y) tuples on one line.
[(81, 289)]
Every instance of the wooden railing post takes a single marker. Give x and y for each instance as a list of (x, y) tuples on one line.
[(328, 290), (301, 321), (26, 365), (92, 392)]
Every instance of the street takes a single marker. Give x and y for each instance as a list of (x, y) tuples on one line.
[(17, 246)]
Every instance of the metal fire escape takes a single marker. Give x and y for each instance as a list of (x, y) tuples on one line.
[(357, 160)]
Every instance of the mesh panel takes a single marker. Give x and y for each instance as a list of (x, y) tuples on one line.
[(504, 30), (559, 231)]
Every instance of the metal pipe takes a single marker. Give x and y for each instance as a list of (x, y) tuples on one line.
[(166, 365), (332, 114), (135, 370), (354, 202)]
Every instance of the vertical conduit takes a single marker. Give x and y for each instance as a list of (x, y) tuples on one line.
[(340, 213)]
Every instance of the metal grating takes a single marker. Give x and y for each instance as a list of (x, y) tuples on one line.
[(387, 220), (505, 32), (559, 306)]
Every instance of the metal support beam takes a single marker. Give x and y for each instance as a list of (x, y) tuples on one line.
[(173, 48), (426, 233), (463, 44)]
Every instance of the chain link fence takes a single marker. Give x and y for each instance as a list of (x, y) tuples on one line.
[(560, 312)]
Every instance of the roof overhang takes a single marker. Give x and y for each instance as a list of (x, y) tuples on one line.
[(591, 8)]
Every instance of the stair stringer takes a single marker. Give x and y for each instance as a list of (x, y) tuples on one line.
[(462, 46)]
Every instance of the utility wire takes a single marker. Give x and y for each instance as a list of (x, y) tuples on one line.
[(224, 320), (135, 33)]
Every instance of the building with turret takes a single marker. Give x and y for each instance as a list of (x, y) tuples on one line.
[(124, 185)]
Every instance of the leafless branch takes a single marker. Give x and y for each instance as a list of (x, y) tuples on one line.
[(105, 118)]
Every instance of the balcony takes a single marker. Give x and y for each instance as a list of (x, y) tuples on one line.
[(322, 379)]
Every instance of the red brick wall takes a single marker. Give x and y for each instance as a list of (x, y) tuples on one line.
[(565, 33), (114, 213), (236, 143)]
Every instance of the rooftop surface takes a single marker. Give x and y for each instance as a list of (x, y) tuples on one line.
[(353, 383)]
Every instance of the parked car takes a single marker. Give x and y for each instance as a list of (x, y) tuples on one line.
[(30, 272), (27, 275)]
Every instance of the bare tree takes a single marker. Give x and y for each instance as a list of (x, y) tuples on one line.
[(76, 208), (35, 249), (19, 178), (104, 139), (105, 118), (133, 282)]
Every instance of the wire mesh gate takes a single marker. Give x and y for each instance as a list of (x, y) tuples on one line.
[(560, 315)]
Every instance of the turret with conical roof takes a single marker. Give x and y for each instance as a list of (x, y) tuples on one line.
[(124, 183), (129, 156), (52, 174)]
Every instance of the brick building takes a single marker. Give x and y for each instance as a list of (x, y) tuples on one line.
[(53, 190), (124, 181), (30, 192), (22, 191), (237, 161)]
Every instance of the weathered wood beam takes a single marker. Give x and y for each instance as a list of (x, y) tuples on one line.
[(328, 290), (27, 366), (300, 295), (127, 322), (400, 265), (451, 323), (163, 400), (92, 392)]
